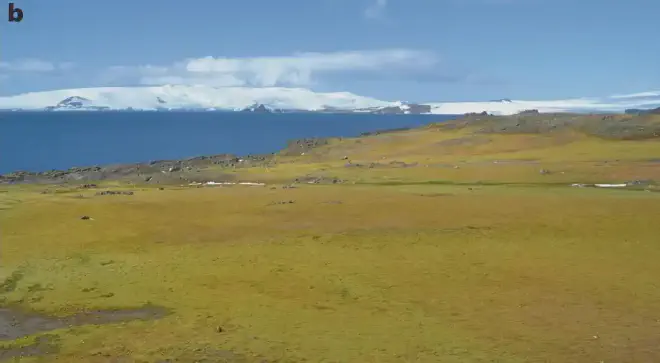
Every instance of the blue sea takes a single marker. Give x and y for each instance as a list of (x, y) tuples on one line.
[(40, 141)]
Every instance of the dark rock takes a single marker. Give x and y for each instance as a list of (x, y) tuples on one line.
[(72, 102), (408, 108), (110, 192), (75, 102), (391, 110), (639, 182), (483, 113), (282, 202), (260, 108), (85, 218)]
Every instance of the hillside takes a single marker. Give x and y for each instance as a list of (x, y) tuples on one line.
[(511, 149)]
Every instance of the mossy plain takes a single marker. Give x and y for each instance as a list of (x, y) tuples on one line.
[(468, 255)]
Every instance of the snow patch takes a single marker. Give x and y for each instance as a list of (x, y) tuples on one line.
[(611, 185)]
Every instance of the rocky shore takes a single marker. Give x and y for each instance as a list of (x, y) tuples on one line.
[(189, 170), (157, 172)]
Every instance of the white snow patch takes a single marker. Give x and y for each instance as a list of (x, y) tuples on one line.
[(611, 185), (599, 185)]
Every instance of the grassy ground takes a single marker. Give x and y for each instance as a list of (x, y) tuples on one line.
[(434, 268)]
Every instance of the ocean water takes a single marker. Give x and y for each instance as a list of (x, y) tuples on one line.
[(40, 141)]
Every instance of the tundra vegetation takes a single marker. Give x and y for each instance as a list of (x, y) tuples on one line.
[(462, 241)]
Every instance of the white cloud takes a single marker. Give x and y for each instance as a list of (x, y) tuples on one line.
[(34, 65), (637, 95), (376, 9), (299, 69)]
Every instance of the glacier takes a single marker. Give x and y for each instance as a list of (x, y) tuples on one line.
[(191, 97), (612, 104), (200, 97)]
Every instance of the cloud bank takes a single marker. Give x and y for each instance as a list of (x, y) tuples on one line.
[(296, 70)]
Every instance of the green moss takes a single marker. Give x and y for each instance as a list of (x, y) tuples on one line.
[(501, 264)]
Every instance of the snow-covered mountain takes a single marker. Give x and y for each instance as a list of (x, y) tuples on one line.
[(188, 97), (276, 98), (75, 103)]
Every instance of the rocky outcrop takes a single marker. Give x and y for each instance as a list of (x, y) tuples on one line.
[(260, 108), (75, 103), (529, 112), (415, 109), (389, 110), (160, 171), (483, 113)]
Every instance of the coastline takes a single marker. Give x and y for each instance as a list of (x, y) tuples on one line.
[(220, 167), (196, 169)]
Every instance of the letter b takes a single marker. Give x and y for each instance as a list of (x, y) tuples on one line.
[(15, 14)]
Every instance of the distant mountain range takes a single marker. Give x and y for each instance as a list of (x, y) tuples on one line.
[(278, 99)]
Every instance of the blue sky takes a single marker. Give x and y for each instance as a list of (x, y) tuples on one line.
[(416, 50)]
